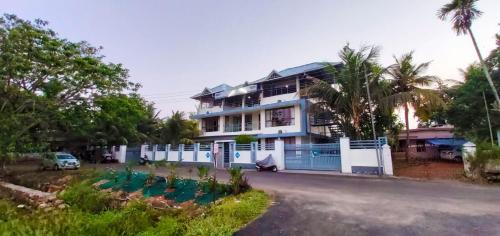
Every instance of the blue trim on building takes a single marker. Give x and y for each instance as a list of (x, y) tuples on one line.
[(366, 170), (243, 165), (250, 109), (282, 135)]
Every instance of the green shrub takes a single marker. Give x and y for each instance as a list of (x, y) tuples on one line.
[(131, 220), (203, 172), (485, 153), (244, 139), (84, 196), (237, 181), (172, 176), (167, 225)]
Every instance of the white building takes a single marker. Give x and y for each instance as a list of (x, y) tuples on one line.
[(269, 108)]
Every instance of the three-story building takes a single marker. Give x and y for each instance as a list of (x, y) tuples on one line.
[(269, 108)]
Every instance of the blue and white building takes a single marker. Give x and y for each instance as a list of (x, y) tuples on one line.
[(269, 108)]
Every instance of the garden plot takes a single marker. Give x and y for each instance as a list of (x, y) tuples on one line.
[(181, 190)]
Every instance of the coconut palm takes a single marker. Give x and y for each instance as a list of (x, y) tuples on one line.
[(347, 102), (463, 13), (406, 85)]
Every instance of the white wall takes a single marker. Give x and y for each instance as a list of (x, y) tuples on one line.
[(202, 156), (173, 156), (187, 156), (364, 157), (160, 155), (244, 157), (282, 97)]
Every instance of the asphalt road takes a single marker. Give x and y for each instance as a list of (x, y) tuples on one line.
[(340, 205)]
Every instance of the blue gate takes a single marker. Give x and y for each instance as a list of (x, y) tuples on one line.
[(312, 156), (133, 154)]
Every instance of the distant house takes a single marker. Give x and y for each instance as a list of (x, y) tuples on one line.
[(429, 142)]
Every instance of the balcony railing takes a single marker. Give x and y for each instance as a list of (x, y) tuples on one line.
[(280, 122), (210, 129), (232, 128), (249, 126)]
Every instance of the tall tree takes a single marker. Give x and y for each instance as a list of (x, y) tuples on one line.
[(463, 13), (52, 89), (407, 89), (347, 102)]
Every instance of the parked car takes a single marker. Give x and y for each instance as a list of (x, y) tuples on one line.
[(60, 160), (454, 154)]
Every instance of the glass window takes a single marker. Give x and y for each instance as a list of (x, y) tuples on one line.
[(210, 124), (280, 117)]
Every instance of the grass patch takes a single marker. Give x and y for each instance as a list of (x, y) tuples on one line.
[(93, 212), (230, 215)]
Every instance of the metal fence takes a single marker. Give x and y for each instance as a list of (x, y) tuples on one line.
[(312, 156)]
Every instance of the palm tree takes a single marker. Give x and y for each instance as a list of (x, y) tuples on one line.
[(406, 91), (348, 102), (464, 12)]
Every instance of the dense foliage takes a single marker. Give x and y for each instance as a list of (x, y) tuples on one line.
[(54, 92)]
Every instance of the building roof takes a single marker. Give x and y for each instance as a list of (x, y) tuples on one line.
[(274, 75), (428, 133), (208, 91)]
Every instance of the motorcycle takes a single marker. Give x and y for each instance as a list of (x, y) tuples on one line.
[(266, 164)]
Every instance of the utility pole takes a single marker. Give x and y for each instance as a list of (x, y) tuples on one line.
[(489, 121), (373, 123)]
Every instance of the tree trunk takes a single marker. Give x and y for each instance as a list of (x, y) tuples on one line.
[(485, 69), (407, 142)]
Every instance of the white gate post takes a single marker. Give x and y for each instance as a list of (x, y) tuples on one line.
[(387, 160), (167, 150), (345, 157), (181, 150), (143, 150), (279, 150), (122, 153), (196, 150), (468, 151), (155, 149)]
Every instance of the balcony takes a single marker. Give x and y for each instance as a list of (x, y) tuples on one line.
[(232, 127), (280, 122)]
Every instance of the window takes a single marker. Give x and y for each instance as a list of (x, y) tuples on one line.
[(280, 117), (210, 124), (248, 122)]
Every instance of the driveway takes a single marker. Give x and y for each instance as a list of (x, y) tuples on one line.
[(308, 204)]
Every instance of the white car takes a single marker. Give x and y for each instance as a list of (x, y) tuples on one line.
[(454, 154), (60, 160)]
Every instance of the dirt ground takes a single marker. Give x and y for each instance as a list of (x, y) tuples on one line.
[(28, 173), (429, 169)]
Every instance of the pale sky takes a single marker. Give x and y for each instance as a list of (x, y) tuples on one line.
[(176, 48)]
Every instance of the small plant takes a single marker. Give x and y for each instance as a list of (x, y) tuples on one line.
[(129, 170), (203, 172), (172, 176), (244, 139), (238, 182), (113, 175), (151, 176)]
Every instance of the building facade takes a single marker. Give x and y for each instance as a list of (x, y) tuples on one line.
[(271, 108)]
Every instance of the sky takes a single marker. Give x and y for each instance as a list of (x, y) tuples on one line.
[(176, 48)]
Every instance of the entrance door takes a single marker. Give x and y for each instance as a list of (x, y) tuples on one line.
[(227, 153)]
